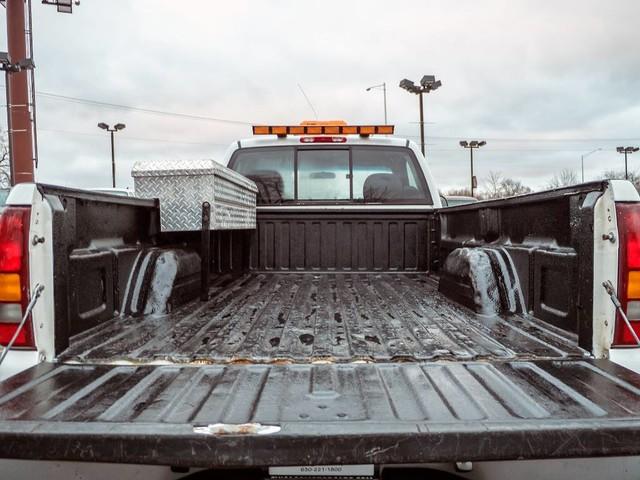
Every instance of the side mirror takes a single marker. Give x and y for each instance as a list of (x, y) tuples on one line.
[(444, 201)]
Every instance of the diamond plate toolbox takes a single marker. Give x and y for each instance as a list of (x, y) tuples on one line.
[(182, 187)]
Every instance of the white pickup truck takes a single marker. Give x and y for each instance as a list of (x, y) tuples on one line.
[(361, 330)]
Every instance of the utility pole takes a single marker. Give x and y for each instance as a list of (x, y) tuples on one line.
[(116, 127), (17, 62), (427, 84), (471, 145), (626, 151), (19, 117)]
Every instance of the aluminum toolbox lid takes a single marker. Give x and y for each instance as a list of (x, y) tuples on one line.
[(173, 168)]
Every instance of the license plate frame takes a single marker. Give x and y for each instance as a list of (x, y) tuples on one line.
[(324, 471)]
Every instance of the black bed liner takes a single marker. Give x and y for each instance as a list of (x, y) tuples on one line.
[(328, 414), (306, 317), (368, 368)]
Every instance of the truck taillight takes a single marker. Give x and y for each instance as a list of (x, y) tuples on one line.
[(14, 275), (628, 215)]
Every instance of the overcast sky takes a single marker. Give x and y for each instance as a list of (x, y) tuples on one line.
[(541, 82)]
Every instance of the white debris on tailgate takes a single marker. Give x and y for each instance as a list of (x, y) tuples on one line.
[(237, 429)]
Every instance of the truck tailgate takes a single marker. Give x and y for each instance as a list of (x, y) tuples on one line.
[(328, 413)]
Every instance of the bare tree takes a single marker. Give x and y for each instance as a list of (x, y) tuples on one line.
[(5, 166), (511, 187), (497, 186), (563, 179), (493, 185), (462, 192), (634, 177)]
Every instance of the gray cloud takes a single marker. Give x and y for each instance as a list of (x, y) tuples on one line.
[(511, 71)]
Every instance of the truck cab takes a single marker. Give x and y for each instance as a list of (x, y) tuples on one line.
[(347, 170)]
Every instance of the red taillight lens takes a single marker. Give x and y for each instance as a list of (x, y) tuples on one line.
[(23, 340), (633, 249), (11, 239), (628, 215), (14, 275)]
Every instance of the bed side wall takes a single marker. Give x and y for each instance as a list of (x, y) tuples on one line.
[(549, 239)]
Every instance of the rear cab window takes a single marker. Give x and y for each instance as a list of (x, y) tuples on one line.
[(345, 174)]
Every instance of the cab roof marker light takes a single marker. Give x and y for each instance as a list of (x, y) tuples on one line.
[(323, 140)]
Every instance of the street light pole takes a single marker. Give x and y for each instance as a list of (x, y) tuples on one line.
[(382, 85), (583, 156), (428, 83), (472, 185), (116, 127), (471, 145), (421, 124), (626, 151), (384, 96), (626, 170), (113, 160)]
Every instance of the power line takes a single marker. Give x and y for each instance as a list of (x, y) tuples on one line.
[(139, 109), (127, 138), (160, 140), (97, 103), (507, 139), (523, 150)]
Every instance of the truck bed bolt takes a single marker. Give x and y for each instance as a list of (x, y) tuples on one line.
[(609, 236)]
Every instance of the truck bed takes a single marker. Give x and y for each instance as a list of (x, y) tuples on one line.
[(352, 368), (316, 317)]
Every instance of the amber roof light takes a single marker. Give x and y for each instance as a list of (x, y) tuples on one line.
[(334, 127)]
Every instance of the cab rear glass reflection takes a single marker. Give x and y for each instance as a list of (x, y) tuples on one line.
[(358, 174)]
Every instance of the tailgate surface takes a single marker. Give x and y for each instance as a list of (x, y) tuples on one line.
[(328, 414)]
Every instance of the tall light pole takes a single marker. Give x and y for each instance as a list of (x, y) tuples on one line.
[(383, 85), (583, 156), (20, 131), (18, 64), (427, 84), (116, 127), (626, 151), (471, 145)]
